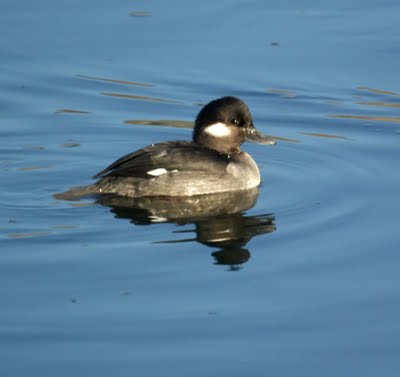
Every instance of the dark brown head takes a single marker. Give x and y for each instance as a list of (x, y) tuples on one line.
[(224, 124)]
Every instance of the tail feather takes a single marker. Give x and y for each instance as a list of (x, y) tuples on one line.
[(76, 193)]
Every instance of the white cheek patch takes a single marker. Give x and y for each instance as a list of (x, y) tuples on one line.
[(218, 130), (157, 172)]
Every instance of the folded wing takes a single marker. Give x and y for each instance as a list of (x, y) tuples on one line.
[(168, 156)]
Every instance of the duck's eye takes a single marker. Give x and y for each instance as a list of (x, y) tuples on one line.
[(237, 122)]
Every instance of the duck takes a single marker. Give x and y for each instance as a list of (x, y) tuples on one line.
[(211, 163)]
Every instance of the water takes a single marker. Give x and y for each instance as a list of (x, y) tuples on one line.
[(310, 286)]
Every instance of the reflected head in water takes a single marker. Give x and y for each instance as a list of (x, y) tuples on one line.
[(230, 233)]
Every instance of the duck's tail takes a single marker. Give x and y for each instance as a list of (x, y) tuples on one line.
[(76, 193)]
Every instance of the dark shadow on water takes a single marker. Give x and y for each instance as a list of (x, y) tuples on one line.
[(219, 220)]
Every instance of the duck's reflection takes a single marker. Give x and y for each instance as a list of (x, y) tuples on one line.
[(218, 219)]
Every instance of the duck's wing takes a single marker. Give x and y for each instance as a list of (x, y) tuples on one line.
[(157, 159)]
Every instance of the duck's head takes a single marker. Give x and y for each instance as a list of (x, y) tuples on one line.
[(224, 124)]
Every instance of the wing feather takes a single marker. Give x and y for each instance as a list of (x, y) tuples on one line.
[(168, 156)]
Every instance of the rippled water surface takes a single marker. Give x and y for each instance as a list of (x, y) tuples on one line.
[(298, 279)]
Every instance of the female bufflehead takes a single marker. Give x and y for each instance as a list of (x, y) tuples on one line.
[(211, 163)]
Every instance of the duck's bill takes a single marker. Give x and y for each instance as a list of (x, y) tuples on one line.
[(257, 137)]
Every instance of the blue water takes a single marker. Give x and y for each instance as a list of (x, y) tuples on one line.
[(90, 289)]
